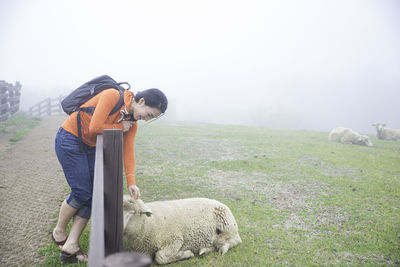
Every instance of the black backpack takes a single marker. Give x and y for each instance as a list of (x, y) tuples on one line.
[(83, 93)]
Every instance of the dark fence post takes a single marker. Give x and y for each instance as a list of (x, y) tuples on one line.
[(113, 191), (106, 233)]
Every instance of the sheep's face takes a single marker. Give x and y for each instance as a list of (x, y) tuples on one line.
[(364, 141), (379, 128), (131, 207), (226, 232)]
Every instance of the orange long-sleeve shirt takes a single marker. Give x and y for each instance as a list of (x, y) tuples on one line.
[(94, 125)]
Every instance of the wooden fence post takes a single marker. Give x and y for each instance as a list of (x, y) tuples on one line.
[(106, 233), (3, 101), (48, 101), (113, 192), (96, 246), (40, 109), (60, 98)]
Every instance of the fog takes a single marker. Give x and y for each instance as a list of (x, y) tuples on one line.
[(308, 64)]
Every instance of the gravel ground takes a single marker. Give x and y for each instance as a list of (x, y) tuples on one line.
[(32, 187)]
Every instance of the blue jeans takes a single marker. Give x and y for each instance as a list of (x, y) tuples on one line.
[(78, 167)]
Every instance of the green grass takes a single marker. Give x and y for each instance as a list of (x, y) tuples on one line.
[(19, 124), (52, 252), (298, 199)]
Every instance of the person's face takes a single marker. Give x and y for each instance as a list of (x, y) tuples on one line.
[(143, 112)]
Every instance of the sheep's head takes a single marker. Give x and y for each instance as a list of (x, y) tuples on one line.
[(364, 141), (379, 129), (227, 232), (137, 206), (132, 206)]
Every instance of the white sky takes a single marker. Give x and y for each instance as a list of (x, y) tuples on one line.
[(286, 64)]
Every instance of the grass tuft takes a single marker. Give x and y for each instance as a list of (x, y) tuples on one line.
[(19, 124)]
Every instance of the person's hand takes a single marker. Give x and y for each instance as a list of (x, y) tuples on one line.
[(127, 125), (134, 191)]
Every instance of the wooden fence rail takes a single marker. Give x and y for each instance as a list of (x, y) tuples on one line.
[(106, 233), (9, 99), (48, 106)]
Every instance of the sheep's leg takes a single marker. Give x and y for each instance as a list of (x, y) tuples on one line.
[(172, 253), (205, 250)]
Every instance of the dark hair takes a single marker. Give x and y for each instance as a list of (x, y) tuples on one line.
[(153, 98)]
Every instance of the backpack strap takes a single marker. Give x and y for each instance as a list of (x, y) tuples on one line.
[(78, 122), (119, 104), (90, 110)]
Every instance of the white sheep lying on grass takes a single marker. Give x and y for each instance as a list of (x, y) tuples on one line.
[(386, 133), (179, 228), (348, 136)]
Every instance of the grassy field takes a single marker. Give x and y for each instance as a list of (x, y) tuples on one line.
[(14, 129), (298, 199), (18, 125)]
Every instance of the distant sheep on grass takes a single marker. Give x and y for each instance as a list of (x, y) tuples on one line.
[(348, 136), (386, 133), (177, 229)]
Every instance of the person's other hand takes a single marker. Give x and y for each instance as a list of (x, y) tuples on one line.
[(134, 191), (127, 125)]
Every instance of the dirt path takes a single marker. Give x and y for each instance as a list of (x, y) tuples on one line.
[(32, 187)]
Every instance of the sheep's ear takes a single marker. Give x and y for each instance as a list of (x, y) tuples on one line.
[(384, 124), (127, 205)]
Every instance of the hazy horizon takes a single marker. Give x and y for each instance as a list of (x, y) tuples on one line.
[(310, 64)]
